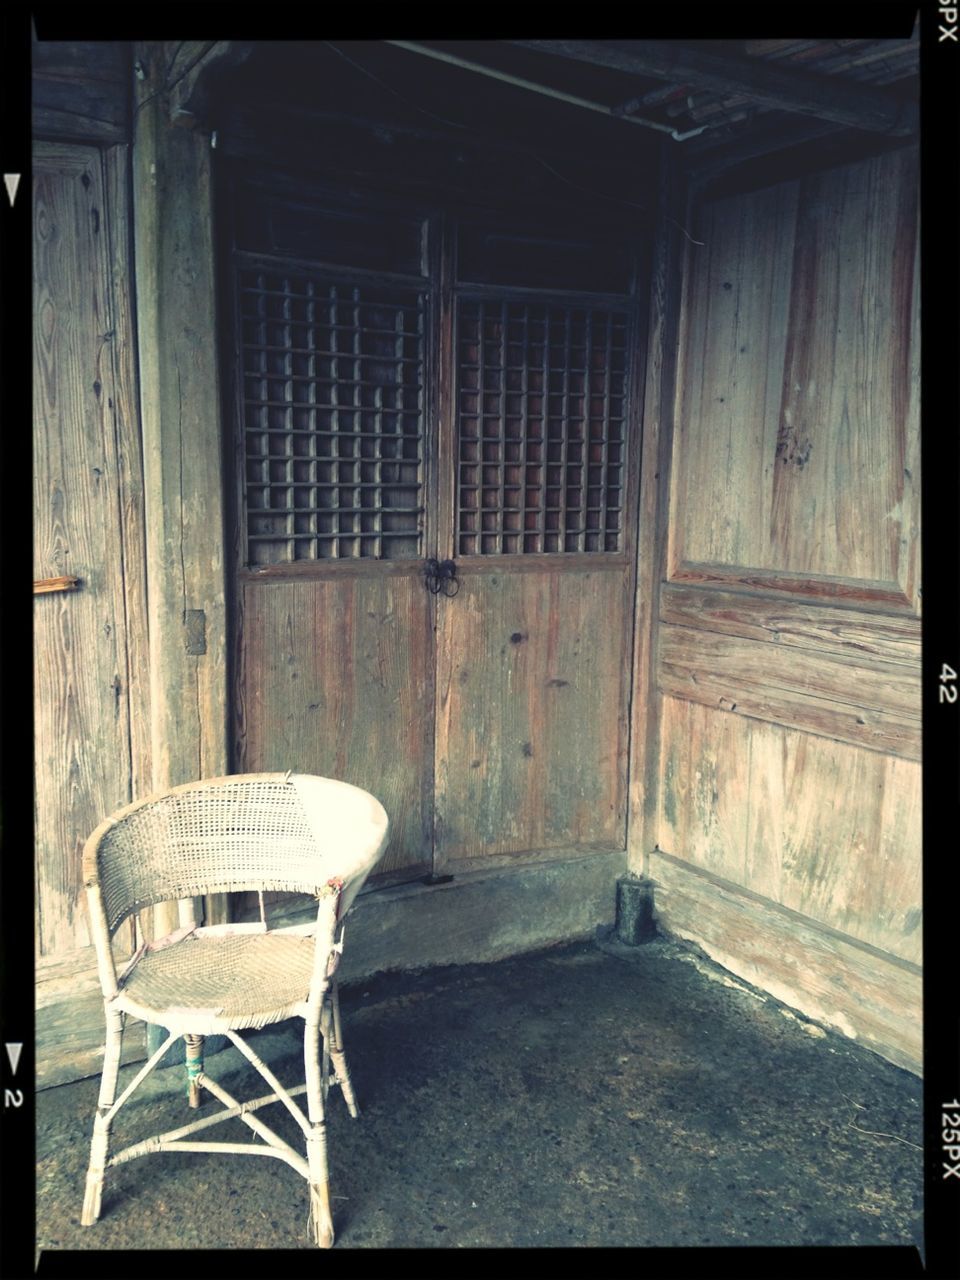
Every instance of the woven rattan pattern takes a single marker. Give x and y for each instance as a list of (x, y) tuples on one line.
[(236, 977), (244, 834)]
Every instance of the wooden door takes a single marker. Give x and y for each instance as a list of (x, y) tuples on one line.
[(539, 468), (410, 388), (334, 371), (90, 726)]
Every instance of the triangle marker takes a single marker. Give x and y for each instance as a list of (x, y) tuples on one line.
[(11, 182), (13, 1053)]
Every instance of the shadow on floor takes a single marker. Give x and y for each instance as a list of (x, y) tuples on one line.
[(584, 1095)]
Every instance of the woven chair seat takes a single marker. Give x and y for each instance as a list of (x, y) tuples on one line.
[(254, 832), (206, 983)]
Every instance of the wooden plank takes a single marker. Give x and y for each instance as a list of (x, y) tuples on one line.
[(797, 463), (855, 989), (337, 680), (874, 597), (81, 710), (864, 701), (732, 355), (81, 90), (70, 1026), (841, 479), (704, 788), (771, 83), (834, 832), (132, 506), (793, 623), (828, 830), (533, 691), (657, 443), (64, 583)]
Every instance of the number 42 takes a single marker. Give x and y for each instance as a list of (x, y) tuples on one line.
[(948, 687)]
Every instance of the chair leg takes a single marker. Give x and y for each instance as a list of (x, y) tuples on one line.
[(321, 1220), (337, 1053), (194, 1058), (102, 1120)]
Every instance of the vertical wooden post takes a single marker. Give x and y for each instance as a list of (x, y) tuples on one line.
[(660, 393), (180, 405)]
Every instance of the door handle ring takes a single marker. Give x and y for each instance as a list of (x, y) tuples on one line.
[(441, 577)]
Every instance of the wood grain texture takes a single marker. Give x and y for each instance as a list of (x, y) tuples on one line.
[(81, 90), (70, 1028), (799, 624), (875, 998), (337, 680), (129, 445), (735, 322), (861, 700), (798, 427), (532, 713), (659, 395), (80, 687), (182, 439), (826, 829)]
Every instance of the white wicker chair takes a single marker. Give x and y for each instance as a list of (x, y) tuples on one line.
[(267, 831)]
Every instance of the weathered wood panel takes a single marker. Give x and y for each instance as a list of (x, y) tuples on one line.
[(828, 830), (70, 1027), (861, 700), (82, 724), (659, 394), (788, 633), (735, 310), (802, 624), (180, 407), (856, 989), (81, 90), (126, 407), (532, 712), (182, 442), (798, 427), (336, 679), (835, 833)]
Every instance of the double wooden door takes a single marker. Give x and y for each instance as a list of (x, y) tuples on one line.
[(437, 451)]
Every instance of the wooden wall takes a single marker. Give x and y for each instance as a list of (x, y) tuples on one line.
[(786, 657)]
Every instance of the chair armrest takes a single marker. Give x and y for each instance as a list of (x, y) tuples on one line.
[(100, 933)]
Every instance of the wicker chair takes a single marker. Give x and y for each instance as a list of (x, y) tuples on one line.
[(267, 831)]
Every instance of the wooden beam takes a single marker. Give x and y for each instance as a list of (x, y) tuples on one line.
[(188, 73), (658, 419), (179, 388), (773, 84)]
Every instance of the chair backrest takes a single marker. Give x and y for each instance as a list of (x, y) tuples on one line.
[(289, 832)]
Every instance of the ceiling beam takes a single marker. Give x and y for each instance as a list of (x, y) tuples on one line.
[(773, 84), (190, 63)]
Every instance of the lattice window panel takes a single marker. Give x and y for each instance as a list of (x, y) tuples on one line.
[(541, 409), (333, 418)]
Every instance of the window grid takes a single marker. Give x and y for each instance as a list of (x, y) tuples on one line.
[(333, 418), (541, 405)]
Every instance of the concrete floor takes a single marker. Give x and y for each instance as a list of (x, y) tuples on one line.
[(589, 1094)]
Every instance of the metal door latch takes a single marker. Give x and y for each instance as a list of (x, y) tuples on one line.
[(441, 576)]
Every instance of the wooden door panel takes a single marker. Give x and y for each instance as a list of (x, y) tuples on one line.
[(337, 680), (81, 710), (815, 825), (532, 711), (797, 467)]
